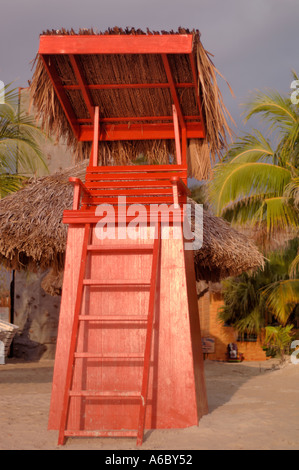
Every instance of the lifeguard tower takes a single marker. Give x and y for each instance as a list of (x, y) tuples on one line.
[(129, 354)]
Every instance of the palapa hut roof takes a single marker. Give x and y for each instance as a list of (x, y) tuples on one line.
[(104, 73), (32, 235)]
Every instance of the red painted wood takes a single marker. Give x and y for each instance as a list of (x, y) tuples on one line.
[(77, 182), (101, 433), (140, 132), (158, 191), (149, 332), (79, 73), (177, 136), (88, 216), (108, 357), (60, 92), (175, 370), (116, 282), (129, 200), (76, 197), (173, 90), (135, 174), (114, 86), (122, 44), (195, 332), (118, 248), (95, 144), (113, 318), (138, 118), (73, 340), (94, 185), (183, 189), (184, 146), (109, 394), (87, 355), (135, 168)]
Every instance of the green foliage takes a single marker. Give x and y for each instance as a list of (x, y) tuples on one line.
[(250, 304), (279, 338), (282, 298), (20, 153), (256, 184), (243, 306)]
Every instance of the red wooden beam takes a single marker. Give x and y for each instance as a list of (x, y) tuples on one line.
[(60, 92), (173, 89), (138, 118), (82, 84), (116, 44), (194, 130), (114, 86)]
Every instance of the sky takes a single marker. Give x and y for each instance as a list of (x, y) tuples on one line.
[(255, 43)]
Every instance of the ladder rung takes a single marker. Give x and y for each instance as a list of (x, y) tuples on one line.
[(112, 248), (103, 357), (114, 318), (96, 394), (115, 282), (90, 433)]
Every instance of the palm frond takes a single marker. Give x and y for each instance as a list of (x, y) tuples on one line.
[(291, 191), (294, 267), (276, 110), (232, 182), (281, 298), (20, 151), (252, 323), (276, 214), (250, 148), (10, 183)]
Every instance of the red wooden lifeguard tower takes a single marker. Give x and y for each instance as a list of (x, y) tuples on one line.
[(128, 352)]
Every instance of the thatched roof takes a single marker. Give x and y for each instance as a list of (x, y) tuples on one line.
[(33, 237), (116, 69)]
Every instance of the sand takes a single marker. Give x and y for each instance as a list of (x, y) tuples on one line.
[(252, 406)]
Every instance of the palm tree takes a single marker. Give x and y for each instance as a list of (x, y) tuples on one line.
[(257, 184), (246, 305), (20, 153), (250, 185)]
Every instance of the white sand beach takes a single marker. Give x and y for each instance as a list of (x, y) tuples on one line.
[(252, 406)]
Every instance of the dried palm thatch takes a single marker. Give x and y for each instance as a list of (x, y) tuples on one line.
[(33, 237), (128, 68)]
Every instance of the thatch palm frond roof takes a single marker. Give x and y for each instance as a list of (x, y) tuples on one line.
[(33, 237), (104, 70)]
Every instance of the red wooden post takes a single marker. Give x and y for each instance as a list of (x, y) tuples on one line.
[(96, 125), (184, 146), (177, 135)]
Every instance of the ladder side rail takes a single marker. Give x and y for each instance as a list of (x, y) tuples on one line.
[(147, 351), (73, 341), (179, 188), (79, 188)]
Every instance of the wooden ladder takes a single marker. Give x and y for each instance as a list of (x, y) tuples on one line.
[(87, 249)]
